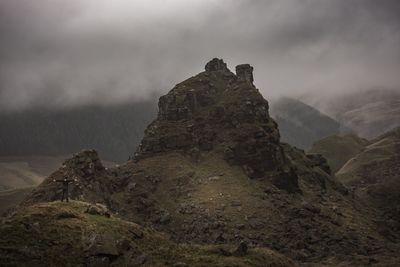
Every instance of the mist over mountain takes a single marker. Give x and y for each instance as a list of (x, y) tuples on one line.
[(368, 113), (67, 53), (114, 131), (300, 124)]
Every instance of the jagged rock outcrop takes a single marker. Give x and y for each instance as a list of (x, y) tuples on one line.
[(91, 181), (217, 109), (216, 64)]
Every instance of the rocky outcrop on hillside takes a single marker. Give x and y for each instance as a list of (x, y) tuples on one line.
[(217, 110), (91, 181)]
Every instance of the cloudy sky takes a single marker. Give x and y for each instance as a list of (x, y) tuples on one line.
[(72, 52)]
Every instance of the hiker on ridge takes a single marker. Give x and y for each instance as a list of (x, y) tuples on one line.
[(65, 184)]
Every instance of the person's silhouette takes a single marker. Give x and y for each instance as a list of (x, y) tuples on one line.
[(65, 184)]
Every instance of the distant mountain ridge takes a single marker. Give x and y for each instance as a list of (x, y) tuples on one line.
[(371, 169), (20, 172), (300, 124), (338, 149), (114, 131), (367, 113), (378, 162), (374, 176)]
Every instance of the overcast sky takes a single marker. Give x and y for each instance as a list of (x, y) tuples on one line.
[(72, 52)]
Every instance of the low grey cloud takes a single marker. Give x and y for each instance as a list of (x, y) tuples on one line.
[(61, 53)]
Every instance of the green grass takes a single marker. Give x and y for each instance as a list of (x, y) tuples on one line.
[(370, 163), (339, 149)]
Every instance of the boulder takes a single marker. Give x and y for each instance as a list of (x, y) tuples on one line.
[(98, 209)]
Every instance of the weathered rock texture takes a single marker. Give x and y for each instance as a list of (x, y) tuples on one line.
[(244, 72), (217, 110), (93, 182)]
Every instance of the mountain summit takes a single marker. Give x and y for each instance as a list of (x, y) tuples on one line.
[(217, 110)]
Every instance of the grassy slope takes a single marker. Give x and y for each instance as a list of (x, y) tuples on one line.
[(338, 149), (375, 175), (369, 165), (208, 198), (212, 187), (40, 235)]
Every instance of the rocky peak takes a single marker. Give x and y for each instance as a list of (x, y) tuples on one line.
[(216, 110), (216, 64), (90, 180), (244, 72), (84, 163)]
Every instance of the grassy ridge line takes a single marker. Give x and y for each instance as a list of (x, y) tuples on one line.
[(338, 149)]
